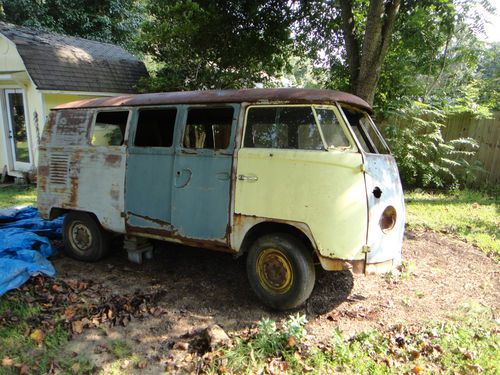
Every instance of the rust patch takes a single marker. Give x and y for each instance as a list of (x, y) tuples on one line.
[(282, 95), (355, 266), (113, 160)]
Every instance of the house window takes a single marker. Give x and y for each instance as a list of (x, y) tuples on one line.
[(155, 128), (109, 128), (208, 128)]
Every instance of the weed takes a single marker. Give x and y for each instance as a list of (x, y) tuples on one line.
[(120, 348)]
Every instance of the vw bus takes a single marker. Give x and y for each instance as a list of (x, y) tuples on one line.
[(288, 177)]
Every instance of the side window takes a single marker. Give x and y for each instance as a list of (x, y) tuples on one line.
[(365, 133), (155, 128), (282, 127), (208, 128), (109, 128)]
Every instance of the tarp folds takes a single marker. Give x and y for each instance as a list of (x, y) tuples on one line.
[(24, 246)]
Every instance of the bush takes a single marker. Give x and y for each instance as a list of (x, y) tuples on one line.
[(424, 158)]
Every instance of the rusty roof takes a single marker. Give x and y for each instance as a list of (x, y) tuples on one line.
[(285, 95), (61, 62)]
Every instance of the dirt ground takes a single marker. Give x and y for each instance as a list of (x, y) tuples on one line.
[(195, 288)]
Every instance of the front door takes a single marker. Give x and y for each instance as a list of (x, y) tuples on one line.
[(18, 129), (202, 173)]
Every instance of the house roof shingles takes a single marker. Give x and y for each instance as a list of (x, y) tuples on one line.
[(60, 62)]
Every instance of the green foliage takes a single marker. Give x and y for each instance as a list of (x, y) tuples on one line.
[(424, 158), (470, 215), (468, 341), (114, 21), (202, 44)]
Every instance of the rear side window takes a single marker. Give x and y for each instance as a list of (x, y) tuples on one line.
[(282, 127), (155, 128), (109, 128), (208, 128)]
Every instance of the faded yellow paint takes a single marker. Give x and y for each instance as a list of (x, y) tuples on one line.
[(323, 189)]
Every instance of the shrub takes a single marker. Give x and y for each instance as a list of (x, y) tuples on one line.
[(424, 158)]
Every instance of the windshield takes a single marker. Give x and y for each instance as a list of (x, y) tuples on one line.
[(333, 133), (365, 130)]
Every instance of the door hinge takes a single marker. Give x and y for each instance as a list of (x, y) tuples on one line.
[(365, 249), (362, 168)]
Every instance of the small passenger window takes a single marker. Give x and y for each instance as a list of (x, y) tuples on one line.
[(364, 130), (155, 128), (109, 128), (282, 127), (208, 128)]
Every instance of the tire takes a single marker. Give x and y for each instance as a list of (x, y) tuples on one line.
[(84, 238), (280, 270)]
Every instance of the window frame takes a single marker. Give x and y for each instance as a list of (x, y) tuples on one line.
[(372, 124), (347, 133), (125, 133), (136, 115), (207, 151)]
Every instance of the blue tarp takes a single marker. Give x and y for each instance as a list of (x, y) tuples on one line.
[(24, 246)]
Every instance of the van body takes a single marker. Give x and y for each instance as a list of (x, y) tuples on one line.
[(289, 176)]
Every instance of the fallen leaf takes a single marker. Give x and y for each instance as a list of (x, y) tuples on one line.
[(291, 341), (7, 362), (37, 336), (77, 326), (417, 370), (69, 313), (475, 368), (57, 288), (24, 370), (142, 365), (75, 368)]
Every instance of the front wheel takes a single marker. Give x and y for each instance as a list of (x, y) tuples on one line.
[(280, 270), (84, 238)]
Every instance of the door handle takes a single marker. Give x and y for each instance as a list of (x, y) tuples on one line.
[(243, 177)]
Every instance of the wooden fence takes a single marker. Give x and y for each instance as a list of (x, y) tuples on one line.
[(487, 133)]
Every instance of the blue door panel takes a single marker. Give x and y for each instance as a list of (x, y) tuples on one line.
[(149, 189), (201, 196)]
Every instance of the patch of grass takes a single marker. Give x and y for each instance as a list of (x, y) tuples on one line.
[(468, 342), (470, 215), (17, 195), (120, 348), (26, 346)]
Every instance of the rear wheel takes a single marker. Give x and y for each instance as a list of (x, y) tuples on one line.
[(84, 238), (280, 270)]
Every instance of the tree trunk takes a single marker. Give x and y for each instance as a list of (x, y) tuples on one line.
[(365, 59)]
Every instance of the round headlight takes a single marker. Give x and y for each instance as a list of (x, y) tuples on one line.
[(388, 219)]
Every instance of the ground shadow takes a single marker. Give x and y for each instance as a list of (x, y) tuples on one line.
[(204, 283)]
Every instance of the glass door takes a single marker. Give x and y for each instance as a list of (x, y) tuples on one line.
[(18, 129)]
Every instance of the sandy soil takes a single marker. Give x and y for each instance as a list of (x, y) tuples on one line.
[(195, 288)]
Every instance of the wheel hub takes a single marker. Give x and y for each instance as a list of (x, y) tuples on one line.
[(80, 236), (274, 271)]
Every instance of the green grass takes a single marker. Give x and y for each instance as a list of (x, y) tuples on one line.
[(17, 195), (469, 215), (467, 342), (22, 349)]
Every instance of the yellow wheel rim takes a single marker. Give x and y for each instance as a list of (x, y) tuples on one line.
[(274, 271)]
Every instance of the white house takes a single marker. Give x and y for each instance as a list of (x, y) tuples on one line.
[(39, 70)]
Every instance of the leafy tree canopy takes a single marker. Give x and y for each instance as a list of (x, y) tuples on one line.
[(216, 44), (114, 21)]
